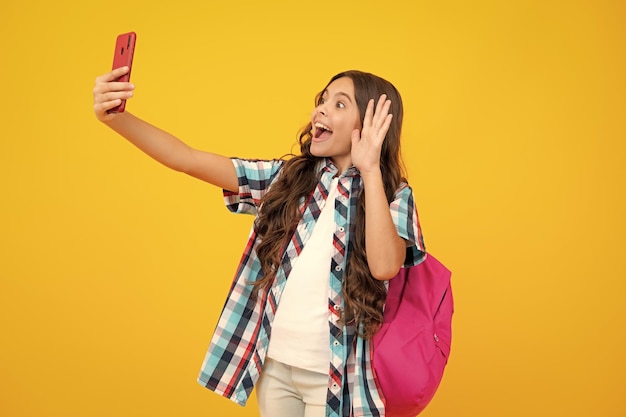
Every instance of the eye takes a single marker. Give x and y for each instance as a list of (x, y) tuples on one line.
[(340, 105), (321, 101)]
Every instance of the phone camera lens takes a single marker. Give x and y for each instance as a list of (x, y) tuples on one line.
[(122, 50)]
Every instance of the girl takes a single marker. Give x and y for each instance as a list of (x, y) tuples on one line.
[(332, 225)]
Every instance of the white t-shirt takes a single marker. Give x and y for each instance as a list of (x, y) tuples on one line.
[(300, 333)]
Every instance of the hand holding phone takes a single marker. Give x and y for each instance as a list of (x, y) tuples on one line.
[(123, 57)]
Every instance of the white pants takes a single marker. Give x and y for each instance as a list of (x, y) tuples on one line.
[(287, 391)]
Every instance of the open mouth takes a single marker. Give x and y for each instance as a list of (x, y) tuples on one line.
[(321, 129)]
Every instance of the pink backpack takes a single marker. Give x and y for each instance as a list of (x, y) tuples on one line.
[(411, 348)]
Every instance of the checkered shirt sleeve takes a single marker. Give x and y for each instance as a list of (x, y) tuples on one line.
[(404, 215), (255, 177)]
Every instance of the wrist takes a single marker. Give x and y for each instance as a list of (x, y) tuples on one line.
[(373, 174), (113, 120)]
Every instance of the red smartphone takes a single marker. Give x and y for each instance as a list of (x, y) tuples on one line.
[(123, 57)]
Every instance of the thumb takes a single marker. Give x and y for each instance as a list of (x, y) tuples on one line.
[(356, 136)]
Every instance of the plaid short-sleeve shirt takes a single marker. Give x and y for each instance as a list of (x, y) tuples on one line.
[(239, 344)]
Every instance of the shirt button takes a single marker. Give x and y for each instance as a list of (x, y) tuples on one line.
[(336, 307), (335, 343), (341, 229), (338, 268)]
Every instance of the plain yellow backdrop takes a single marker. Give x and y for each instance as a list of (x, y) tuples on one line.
[(113, 269)]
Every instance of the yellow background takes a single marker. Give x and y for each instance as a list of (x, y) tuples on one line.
[(113, 269)]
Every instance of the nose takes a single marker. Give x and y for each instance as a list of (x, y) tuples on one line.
[(321, 108)]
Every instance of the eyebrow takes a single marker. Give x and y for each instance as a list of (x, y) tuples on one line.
[(339, 93)]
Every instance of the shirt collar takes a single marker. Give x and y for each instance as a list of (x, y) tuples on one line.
[(327, 165)]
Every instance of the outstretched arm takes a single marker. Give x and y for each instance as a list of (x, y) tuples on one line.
[(156, 143), (386, 250)]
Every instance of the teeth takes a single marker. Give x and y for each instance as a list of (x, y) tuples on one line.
[(321, 126)]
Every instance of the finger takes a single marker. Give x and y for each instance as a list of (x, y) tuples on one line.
[(115, 95), (386, 125), (104, 93), (111, 87), (367, 119), (382, 109), (356, 136), (111, 91), (381, 102), (102, 109), (107, 102), (107, 105), (113, 75)]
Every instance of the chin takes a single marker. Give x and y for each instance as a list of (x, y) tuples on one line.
[(315, 151)]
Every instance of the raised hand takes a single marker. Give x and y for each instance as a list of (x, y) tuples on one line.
[(367, 143), (109, 93)]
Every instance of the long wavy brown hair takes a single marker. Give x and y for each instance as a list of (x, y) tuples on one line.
[(364, 295)]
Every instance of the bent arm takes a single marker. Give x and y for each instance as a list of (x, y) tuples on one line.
[(385, 249), (157, 143)]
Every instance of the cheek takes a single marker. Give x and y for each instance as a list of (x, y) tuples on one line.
[(357, 121)]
